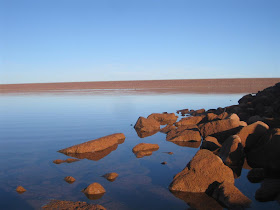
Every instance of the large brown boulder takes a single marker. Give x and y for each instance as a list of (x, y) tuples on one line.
[(189, 121), (204, 169), (184, 134), (228, 195), (215, 127), (147, 127), (164, 118), (71, 205), (95, 145), (144, 149), (250, 135)]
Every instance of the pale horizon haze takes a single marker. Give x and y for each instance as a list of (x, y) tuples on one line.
[(88, 40)]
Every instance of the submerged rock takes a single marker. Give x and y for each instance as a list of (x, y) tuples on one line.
[(68, 160), (69, 179), (200, 172), (20, 189), (95, 145), (228, 195), (111, 176), (144, 149), (146, 127), (94, 191), (71, 205), (164, 118)]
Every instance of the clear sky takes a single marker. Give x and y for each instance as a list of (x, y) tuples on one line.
[(102, 40)]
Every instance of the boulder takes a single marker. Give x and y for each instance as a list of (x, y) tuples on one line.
[(250, 135), (71, 205), (189, 121), (95, 145), (184, 134), (269, 190), (254, 119), (147, 127), (183, 111), (256, 175), (228, 195), (94, 191), (144, 149), (69, 179), (167, 128), (111, 176), (200, 172), (246, 98), (198, 112), (163, 119), (20, 189), (243, 123), (212, 144), (216, 127)]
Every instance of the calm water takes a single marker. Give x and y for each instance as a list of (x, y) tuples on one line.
[(34, 127)]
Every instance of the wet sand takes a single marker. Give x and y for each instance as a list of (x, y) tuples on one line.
[(248, 85)]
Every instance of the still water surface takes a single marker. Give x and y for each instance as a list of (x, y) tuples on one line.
[(33, 127)]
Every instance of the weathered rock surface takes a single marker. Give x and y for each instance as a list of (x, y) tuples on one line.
[(20, 189), (111, 176), (146, 127), (94, 191), (95, 145), (167, 128), (211, 143), (164, 118), (214, 127), (198, 201), (71, 205), (256, 175), (227, 194), (68, 160), (144, 149), (269, 190), (69, 179), (184, 134), (189, 121), (200, 172)]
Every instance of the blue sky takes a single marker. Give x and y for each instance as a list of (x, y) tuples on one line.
[(88, 40)]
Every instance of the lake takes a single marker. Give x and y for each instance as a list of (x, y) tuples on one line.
[(34, 126)]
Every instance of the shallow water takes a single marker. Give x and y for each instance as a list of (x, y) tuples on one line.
[(34, 127)]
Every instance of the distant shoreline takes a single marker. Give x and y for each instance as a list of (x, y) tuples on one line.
[(246, 85)]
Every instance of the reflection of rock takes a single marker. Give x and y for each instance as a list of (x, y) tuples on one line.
[(189, 121), (256, 175), (184, 134), (71, 205), (95, 155), (146, 127), (199, 201), (94, 191), (20, 189), (228, 195), (269, 190), (69, 179), (144, 149), (163, 119), (111, 176), (68, 160), (95, 145), (200, 172)]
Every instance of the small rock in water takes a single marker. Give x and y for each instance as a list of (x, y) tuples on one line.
[(111, 176), (164, 163), (20, 189), (170, 153), (69, 179), (58, 161), (94, 191)]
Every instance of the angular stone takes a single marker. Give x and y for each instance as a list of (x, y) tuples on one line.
[(167, 128), (200, 172), (163, 119), (94, 191), (69, 179), (189, 121), (111, 176)]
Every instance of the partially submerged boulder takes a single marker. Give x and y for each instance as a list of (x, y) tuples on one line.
[(144, 149), (164, 118), (146, 127), (71, 205), (94, 191), (200, 172), (111, 176), (95, 145), (69, 179), (228, 195), (184, 134), (20, 189)]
